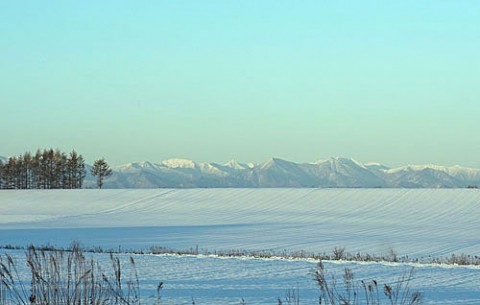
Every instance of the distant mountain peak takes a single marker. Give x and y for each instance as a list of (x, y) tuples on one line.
[(276, 162), (135, 167), (375, 166), (414, 168), (236, 165), (179, 163), (331, 159), (340, 161)]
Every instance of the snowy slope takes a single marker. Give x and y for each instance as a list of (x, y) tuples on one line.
[(413, 222), (333, 172), (376, 167)]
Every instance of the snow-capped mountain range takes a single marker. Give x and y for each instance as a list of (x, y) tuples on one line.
[(330, 173)]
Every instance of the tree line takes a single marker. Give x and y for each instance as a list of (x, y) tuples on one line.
[(46, 169), (49, 169)]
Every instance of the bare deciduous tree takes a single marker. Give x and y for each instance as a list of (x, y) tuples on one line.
[(47, 169)]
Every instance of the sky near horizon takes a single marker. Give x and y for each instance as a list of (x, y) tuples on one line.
[(396, 82)]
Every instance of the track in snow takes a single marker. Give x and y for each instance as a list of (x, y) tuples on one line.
[(417, 223)]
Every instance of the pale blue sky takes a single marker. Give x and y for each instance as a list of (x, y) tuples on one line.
[(396, 82)]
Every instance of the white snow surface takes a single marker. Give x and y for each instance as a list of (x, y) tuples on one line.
[(179, 163), (414, 222), (240, 166), (220, 281)]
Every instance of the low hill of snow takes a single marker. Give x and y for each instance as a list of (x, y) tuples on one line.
[(414, 222), (420, 223)]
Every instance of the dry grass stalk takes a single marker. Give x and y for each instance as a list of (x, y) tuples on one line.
[(364, 292), (67, 278)]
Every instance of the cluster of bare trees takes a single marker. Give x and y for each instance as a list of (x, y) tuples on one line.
[(47, 169)]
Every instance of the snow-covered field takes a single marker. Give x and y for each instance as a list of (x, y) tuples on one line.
[(418, 223)]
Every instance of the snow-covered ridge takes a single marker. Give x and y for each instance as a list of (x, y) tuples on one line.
[(276, 172)]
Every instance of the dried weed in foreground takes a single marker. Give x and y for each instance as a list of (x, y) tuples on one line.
[(350, 292), (67, 278)]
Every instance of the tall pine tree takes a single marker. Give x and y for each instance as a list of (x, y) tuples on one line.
[(101, 170)]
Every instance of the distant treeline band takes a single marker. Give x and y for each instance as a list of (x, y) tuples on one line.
[(47, 169)]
